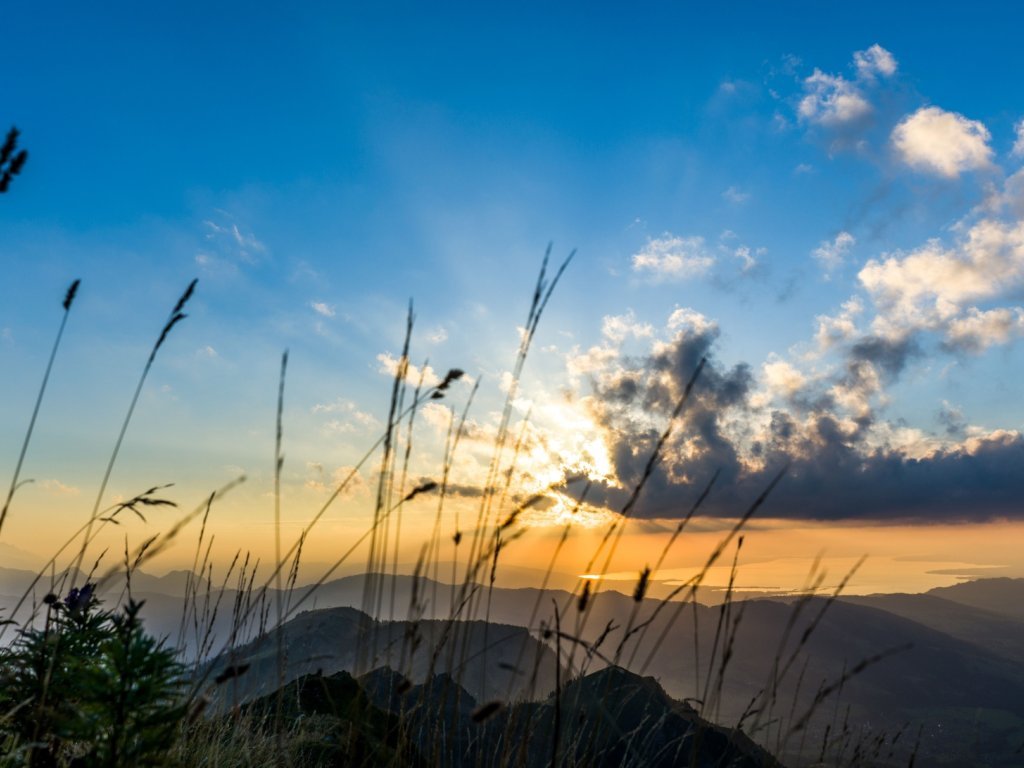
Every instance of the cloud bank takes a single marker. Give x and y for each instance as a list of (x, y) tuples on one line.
[(844, 459)]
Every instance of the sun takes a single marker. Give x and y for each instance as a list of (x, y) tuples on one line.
[(565, 442), (568, 511)]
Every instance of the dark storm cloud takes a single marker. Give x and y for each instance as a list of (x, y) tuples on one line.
[(465, 490), (837, 482), (655, 385), (833, 473), (952, 421), (888, 355), (840, 482), (669, 370)]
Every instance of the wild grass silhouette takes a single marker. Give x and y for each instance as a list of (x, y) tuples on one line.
[(12, 160), (431, 680)]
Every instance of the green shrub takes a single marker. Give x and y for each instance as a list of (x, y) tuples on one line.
[(89, 688)]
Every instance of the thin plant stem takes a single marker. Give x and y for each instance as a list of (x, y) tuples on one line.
[(278, 593), (69, 298), (175, 317)]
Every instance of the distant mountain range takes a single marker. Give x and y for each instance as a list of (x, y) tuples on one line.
[(1003, 595), (491, 661), (997, 632), (879, 667)]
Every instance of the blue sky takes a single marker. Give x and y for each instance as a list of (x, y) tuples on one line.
[(789, 176)]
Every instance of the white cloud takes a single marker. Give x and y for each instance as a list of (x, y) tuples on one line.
[(437, 335), (673, 258), (248, 241), (389, 367), (1018, 144), (735, 195), (833, 329), (244, 245), (978, 330), (832, 100), (57, 488), (874, 61), (347, 417), (321, 308), (943, 143), (347, 407), (318, 480), (616, 328), (437, 415), (1009, 198), (779, 123), (207, 352), (831, 254), (782, 378), (690, 319), (931, 286), (963, 291), (743, 254), (583, 364)]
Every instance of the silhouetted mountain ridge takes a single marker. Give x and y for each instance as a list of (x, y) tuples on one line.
[(611, 718), (1002, 595), (490, 660)]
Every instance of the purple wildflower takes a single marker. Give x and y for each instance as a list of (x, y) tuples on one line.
[(79, 600)]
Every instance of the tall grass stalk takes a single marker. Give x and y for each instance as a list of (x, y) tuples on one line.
[(627, 508), (401, 494), (278, 593), (176, 316), (69, 298), (373, 570)]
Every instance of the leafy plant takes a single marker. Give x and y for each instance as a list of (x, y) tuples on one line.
[(89, 688)]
